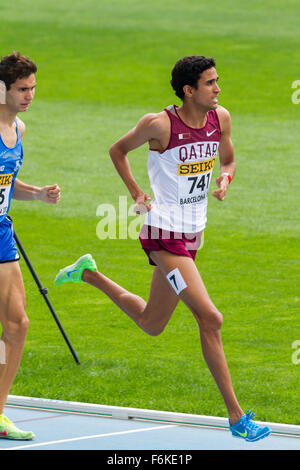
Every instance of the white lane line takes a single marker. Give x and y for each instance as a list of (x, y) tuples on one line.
[(95, 436)]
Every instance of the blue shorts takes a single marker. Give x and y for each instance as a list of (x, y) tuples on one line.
[(8, 250)]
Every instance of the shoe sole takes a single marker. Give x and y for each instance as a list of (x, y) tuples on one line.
[(266, 434)]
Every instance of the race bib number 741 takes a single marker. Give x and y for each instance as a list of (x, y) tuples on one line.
[(5, 187), (193, 181)]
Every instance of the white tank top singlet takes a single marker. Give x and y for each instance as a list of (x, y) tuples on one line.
[(180, 175)]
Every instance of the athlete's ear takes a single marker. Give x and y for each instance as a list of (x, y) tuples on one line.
[(188, 90)]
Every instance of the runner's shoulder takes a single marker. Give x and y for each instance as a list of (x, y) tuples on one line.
[(158, 123), (222, 112), (224, 117), (155, 120), (21, 126)]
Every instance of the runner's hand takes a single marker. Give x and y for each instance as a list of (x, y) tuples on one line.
[(141, 206), (50, 194), (222, 183)]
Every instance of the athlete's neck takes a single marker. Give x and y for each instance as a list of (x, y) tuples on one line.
[(192, 116), (7, 116)]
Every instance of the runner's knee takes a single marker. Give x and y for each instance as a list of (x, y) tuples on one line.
[(16, 329), (211, 319), (151, 328), (155, 331)]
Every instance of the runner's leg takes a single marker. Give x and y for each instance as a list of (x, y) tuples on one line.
[(151, 316), (14, 324), (209, 319)]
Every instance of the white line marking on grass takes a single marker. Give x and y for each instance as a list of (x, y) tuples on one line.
[(95, 436)]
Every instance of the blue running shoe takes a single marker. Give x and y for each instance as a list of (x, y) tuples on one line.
[(246, 429)]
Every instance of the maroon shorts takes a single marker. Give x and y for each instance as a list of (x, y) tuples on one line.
[(182, 244)]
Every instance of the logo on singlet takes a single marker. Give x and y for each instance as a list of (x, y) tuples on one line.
[(185, 135), (196, 168), (6, 180), (208, 134)]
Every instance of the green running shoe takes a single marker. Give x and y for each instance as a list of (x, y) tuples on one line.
[(9, 431), (74, 272)]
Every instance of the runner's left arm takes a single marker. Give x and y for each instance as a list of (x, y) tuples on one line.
[(26, 192), (226, 155)]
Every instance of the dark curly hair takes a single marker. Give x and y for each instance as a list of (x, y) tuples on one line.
[(187, 71), (15, 66)]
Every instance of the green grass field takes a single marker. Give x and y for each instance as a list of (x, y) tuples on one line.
[(102, 65)]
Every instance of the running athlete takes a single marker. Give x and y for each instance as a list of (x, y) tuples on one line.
[(17, 75), (183, 146)]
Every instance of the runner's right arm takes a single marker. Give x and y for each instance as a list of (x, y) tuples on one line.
[(149, 128)]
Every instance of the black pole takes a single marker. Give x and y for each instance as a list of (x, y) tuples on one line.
[(44, 292)]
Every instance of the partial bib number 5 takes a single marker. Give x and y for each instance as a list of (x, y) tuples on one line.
[(5, 187)]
